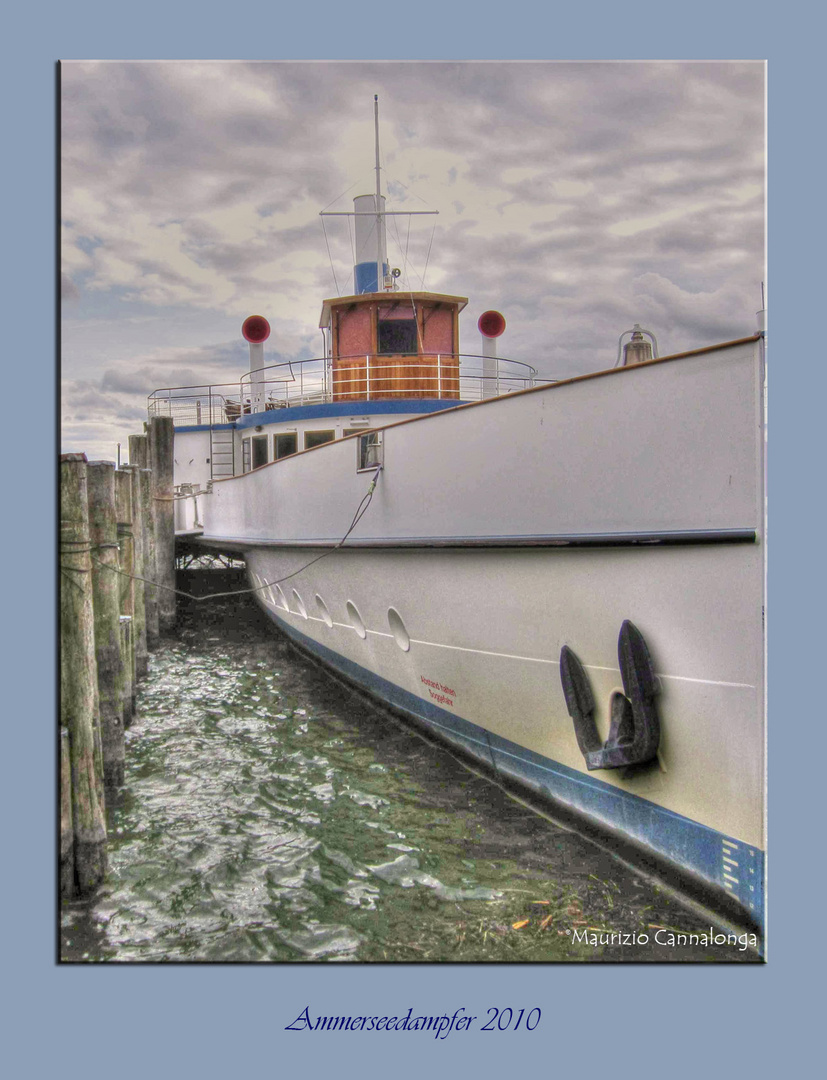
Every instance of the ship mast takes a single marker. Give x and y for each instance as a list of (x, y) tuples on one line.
[(380, 255), (363, 271)]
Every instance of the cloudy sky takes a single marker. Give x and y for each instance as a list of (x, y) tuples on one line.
[(576, 198)]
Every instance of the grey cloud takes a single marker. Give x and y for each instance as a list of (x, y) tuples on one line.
[(84, 403), (171, 142), (216, 363), (127, 381)]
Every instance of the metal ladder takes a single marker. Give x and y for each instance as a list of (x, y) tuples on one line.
[(222, 453)]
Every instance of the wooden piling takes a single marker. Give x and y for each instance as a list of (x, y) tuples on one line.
[(139, 451), (150, 562), (80, 711), (106, 589), (139, 455), (67, 839), (123, 513), (161, 435), (128, 654), (139, 571)]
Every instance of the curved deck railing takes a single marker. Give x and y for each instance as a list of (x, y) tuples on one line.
[(452, 377)]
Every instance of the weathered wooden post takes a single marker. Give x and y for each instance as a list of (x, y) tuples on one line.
[(123, 513), (150, 592), (128, 654), (139, 572), (67, 838), (161, 436), (139, 455), (79, 676), (106, 588), (139, 451)]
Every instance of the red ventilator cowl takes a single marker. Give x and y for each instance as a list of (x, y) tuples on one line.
[(491, 324), (255, 329)]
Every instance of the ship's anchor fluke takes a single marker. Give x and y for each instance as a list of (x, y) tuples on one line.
[(634, 733)]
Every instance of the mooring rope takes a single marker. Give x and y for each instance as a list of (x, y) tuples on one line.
[(89, 547), (357, 517)]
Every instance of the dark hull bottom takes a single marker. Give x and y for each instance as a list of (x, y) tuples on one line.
[(701, 860)]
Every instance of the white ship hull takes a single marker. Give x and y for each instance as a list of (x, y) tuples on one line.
[(501, 532)]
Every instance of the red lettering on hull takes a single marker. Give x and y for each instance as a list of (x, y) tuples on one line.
[(439, 691)]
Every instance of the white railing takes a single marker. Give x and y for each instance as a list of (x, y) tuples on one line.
[(195, 405), (372, 377)]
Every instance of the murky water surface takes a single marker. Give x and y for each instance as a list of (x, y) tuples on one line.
[(270, 815)]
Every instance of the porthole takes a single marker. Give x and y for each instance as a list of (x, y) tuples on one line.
[(356, 620), (302, 610), (400, 634), (325, 614)]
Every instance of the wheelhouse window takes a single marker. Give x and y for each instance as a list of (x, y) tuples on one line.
[(316, 438), (397, 336), (285, 444)]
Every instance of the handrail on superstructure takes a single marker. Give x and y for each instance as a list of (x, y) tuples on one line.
[(396, 357), (367, 377)]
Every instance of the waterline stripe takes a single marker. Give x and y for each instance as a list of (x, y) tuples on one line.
[(529, 659)]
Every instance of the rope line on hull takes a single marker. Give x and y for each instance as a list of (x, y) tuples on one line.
[(357, 517)]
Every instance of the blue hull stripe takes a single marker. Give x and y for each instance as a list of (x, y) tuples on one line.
[(704, 852)]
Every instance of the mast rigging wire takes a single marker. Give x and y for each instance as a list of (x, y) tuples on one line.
[(330, 256)]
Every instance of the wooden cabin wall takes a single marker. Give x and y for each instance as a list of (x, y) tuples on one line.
[(353, 340), (439, 330), (395, 376), (440, 333)]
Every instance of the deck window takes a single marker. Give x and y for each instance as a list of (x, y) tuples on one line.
[(397, 336), (316, 438), (259, 451), (285, 444), (245, 455), (370, 451)]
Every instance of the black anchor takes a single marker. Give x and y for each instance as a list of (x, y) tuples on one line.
[(634, 732)]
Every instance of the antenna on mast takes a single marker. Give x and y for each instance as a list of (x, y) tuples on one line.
[(365, 209), (380, 255)]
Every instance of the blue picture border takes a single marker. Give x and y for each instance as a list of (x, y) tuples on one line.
[(211, 1021)]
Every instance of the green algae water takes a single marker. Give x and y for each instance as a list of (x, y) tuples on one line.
[(269, 814)]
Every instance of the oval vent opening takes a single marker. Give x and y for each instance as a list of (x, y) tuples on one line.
[(302, 610), (356, 620), (325, 614), (400, 634)]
